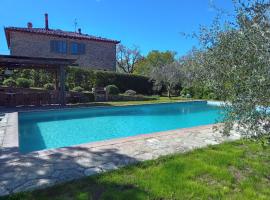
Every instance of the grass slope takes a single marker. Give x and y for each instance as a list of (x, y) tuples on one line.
[(234, 170)]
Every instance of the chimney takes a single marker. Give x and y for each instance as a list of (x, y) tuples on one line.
[(29, 25), (80, 31), (46, 21)]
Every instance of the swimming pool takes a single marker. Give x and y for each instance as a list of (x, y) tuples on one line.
[(61, 128)]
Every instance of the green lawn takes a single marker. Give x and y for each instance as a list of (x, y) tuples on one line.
[(234, 170), (122, 103)]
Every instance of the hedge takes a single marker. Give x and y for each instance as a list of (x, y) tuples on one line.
[(140, 84), (87, 79), (112, 89)]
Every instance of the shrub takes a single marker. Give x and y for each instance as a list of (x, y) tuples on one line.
[(130, 92), (84, 78), (24, 82), (78, 89), (198, 92), (112, 89), (87, 79), (89, 97), (186, 92), (10, 82), (140, 84), (49, 86)]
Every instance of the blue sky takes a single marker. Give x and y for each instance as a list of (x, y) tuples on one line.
[(149, 24)]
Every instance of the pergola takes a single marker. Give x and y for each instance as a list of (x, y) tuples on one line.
[(57, 65)]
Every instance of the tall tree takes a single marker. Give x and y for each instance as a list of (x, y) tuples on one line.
[(236, 63), (167, 75), (152, 60), (127, 58)]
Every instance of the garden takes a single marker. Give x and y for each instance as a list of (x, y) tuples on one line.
[(231, 65)]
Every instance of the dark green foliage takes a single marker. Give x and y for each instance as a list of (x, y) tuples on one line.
[(198, 92), (140, 84), (49, 86), (186, 92), (83, 97), (89, 97), (78, 89), (87, 79), (112, 89), (10, 82), (24, 82), (80, 77)]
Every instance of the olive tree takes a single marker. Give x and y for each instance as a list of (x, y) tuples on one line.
[(167, 75), (235, 62)]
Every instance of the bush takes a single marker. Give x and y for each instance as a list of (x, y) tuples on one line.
[(186, 92), (198, 92), (78, 89), (49, 86), (89, 97), (140, 84), (130, 92), (10, 82), (87, 79), (84, 78), (24, 82), (112, 89)]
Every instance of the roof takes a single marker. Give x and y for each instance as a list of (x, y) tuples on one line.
[(56, 33), (33, 62)]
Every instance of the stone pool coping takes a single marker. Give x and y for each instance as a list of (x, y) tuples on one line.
[(11, 133)]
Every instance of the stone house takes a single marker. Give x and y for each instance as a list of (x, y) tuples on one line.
[(89, 51)]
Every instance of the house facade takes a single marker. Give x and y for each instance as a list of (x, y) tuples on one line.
[(89, 51)]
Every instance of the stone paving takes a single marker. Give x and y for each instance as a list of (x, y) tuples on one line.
[(3, 122), (22, 172)]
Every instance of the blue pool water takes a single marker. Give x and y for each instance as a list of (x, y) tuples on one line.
[(60, 128)]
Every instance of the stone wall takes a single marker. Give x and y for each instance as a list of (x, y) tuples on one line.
[(98, 55)]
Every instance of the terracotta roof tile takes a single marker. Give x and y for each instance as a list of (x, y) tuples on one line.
[(57, 33)]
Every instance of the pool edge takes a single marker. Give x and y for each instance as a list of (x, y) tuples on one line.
[(11, 135), (11, 138)]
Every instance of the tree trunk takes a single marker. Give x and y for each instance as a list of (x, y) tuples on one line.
[(169, 92)]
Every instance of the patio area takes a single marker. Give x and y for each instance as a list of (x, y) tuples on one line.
[(10, 96)]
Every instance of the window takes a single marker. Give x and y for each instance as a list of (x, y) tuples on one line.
[(77, 48), (58, 46)]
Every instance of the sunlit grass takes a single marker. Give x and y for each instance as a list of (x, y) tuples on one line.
[(150, 101), (233, 170)]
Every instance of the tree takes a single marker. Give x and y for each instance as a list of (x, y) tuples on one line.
[(127, 58), (153, 59), (167, 75), (235, 62)]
